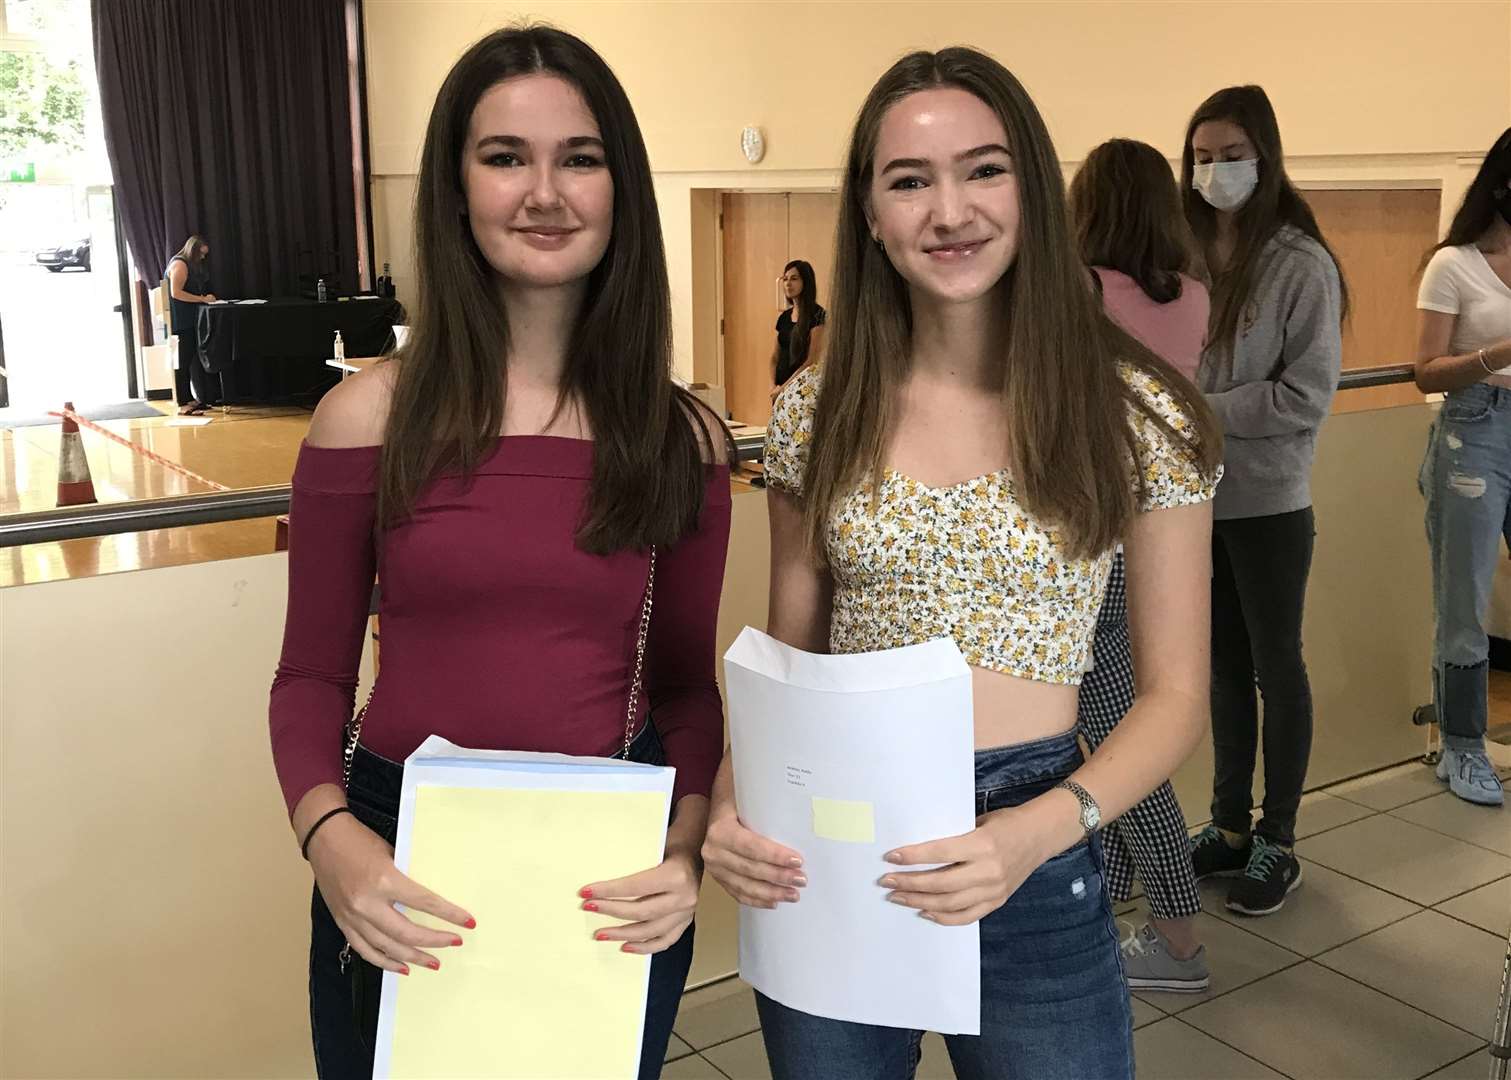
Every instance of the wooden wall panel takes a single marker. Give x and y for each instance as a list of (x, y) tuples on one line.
[(755, 249), (1380, 237)]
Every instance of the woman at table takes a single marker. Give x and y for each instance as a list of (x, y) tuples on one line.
[(188, 278)]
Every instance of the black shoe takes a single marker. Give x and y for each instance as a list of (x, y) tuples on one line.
[(1212, 856), (1272, 874)]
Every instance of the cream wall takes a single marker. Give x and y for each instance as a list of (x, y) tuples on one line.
[(154, 912), (1359, 87)]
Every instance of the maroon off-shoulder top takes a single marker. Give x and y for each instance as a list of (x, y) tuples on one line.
[(498, 631)]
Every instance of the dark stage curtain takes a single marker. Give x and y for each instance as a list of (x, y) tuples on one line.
[(231, 118)]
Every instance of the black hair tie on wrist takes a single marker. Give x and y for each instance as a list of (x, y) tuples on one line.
[(304, 848)]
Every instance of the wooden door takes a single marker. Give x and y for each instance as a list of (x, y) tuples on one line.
[(1380, 238), (811, 217), (755, 250), (762, 234)]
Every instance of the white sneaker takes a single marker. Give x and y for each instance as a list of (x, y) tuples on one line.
[(1471, 777), (1149, 966)]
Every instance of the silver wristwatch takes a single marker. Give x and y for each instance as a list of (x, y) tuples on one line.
[(1091, 813)]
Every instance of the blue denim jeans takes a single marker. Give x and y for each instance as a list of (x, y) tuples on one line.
[(344, 1003), (1466, 480), (1054, 1004)]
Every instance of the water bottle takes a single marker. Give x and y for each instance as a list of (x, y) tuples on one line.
[(320, 290), (340, 347)]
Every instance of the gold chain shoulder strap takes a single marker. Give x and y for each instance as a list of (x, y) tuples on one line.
[(645, 626), (354, 729)]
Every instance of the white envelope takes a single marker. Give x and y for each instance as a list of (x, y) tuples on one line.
[(844, 758)]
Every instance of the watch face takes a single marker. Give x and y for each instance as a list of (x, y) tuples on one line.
[(1091, 817)]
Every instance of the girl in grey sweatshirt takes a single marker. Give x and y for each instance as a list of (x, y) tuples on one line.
[(1269, 370)]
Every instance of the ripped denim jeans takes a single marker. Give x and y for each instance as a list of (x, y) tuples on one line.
[(1466, 480)]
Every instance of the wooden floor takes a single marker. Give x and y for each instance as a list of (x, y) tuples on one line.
[(240, 448)]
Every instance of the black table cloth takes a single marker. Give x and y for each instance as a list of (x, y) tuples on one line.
[(276, 351)]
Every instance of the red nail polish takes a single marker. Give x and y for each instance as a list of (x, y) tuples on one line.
[(626, 947), (601, 936), (470, 924), (403, 969), (455, 942), (433, 965), (590, 906), (586, 894)]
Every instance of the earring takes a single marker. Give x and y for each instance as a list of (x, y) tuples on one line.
[(880, 243)]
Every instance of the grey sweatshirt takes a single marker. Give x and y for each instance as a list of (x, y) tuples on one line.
[(1275, 389)]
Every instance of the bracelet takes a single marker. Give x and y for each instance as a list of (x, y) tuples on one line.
[(304, 848), (1484, 364)]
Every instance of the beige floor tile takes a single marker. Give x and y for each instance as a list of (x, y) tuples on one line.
[(1327, 910), (691, 1068), (1321, 811), (1313, 1024), (1390, 788), (1234, 957), (1487, 826), (1440, 965), (1145, 1012), (741, 1059), (1488, 907), (707, 1018), (676, 1048), (1171, 1050), (714, 991), (936, 1063), (1408, 860), (1474, 1067)]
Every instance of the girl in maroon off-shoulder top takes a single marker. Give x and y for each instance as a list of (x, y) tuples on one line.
[(510, 477)]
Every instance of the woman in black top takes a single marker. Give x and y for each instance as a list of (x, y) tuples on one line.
[(799, 329), (188, 276)]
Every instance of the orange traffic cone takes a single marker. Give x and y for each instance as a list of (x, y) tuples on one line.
[(75, 488)]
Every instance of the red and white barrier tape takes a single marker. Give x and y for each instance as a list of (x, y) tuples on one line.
[(150, 455)]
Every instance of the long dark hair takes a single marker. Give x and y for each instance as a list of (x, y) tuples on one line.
[(1127, 217), (1274, 204), (806, 306), (1072, 433), (448, 399), (1482, 201)]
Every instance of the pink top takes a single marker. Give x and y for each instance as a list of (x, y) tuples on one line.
[(498, 631), (1175, 331)]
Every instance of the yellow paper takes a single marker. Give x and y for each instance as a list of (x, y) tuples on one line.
[(840, 819), (530, 994)]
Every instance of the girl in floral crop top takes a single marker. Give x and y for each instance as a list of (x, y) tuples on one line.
[(976, 443)]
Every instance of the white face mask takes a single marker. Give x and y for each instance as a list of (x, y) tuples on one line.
[(1226, 185)]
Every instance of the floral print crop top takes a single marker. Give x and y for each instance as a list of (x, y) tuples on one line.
[(967, 561)]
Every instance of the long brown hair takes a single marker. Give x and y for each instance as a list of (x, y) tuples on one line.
[(804, 311), (1274, 204), (190, 252), (1128, 217), (1072, 438), (448, 398)]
